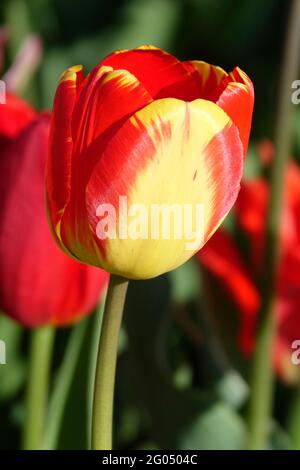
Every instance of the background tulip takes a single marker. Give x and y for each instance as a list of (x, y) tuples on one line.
[(39, 284), (223, 258), (14, 116), (144, 125)]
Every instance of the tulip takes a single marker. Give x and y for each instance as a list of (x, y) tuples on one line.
[(15, 115), (144, 126), (141, 130), (222, 257), (39, 284)]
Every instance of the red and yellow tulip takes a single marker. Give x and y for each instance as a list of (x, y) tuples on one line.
[(146, 126)]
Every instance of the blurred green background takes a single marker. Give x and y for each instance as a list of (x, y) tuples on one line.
[(176, 387), (223, 32)]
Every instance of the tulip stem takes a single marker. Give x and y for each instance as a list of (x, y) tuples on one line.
[(102, 420), (93, 353), (294, 420), (262, 380), (41, 345)]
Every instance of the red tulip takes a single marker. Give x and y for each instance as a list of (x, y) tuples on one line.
[(159, 131), (222, 257), (38, 283), (15, 114)]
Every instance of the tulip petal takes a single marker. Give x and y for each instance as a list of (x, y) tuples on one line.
[(107, 100), (221, 258), (233, 92), (209, 78), (168, 152), (237, 100), (59, 168), (292, 197), (287, 310), (161, 73), (251, 210)]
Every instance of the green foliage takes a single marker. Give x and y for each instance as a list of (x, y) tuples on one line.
[(218, 427)]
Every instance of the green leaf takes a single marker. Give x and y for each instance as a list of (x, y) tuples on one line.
[(62, 385), (232, 388), (185, 282), (77, 409), (279, 438), (252, 168), (218, 427)]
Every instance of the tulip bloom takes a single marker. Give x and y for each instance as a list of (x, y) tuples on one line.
[(223, 259), (15, 114), (159, 131), (39, 285)]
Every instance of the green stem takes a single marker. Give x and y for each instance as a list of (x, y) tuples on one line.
[(294, 420), (262, 385), (63, 384), (41, 346), (106, 364), (92, 365), (262, 380)]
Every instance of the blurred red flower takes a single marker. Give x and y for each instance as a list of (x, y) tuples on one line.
[(39, 284), (15, 114), (221, 256)]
